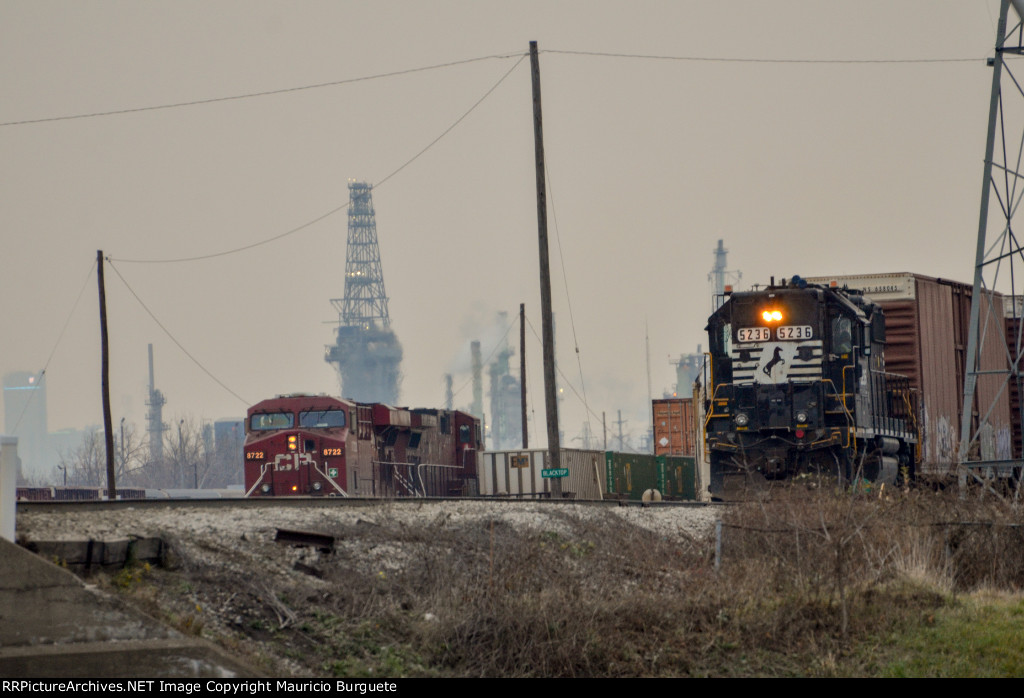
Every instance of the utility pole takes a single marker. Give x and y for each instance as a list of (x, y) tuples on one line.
[(108, 431), (550, 396), (522, 372), (123, 468)]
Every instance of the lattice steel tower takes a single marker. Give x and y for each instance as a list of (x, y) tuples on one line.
[(366, 351)]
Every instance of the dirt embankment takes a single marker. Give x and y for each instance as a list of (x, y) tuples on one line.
[(432, 588)]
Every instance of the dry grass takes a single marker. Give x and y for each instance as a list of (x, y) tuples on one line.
[(811, 584)]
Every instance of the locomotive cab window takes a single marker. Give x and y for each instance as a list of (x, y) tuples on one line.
[(842, 335), (721, 341), (322, 419), (272, 420)]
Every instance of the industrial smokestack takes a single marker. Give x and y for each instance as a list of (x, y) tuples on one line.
[(478, 383), (155, 416)]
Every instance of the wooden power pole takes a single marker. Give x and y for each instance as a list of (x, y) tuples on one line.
[(550, 397), (522, 373), (108, 430)]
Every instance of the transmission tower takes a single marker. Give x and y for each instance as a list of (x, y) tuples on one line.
[(366, 351), (994, 341)]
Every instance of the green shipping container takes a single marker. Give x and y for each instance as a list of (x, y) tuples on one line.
[(629, 475)]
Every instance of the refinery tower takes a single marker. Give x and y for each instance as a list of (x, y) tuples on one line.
[(366, 351)]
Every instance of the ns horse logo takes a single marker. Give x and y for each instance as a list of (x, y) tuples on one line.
[(778, 358)]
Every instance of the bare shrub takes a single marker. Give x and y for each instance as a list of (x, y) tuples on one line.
[(806, 576)]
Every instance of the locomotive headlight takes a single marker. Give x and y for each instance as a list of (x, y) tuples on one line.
[(265, 489), (741, 419), (317, 486), (772, 315), (801, 417), (293, 442)]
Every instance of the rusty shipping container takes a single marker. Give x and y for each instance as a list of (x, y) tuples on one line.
[(926, 327), (675, 428)]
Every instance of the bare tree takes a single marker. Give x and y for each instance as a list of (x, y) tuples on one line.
[(86, 464), (193, 459), (185, 455)]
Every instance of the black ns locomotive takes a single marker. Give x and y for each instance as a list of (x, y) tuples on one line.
[(797, 384)]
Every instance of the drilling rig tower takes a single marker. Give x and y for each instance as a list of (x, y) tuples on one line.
[(366, 351)]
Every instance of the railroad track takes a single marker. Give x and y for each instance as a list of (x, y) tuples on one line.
[(314, 502)]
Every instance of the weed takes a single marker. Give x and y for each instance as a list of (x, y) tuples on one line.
[(128, 577)]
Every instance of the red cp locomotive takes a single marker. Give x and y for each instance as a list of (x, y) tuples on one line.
[(321, 445)]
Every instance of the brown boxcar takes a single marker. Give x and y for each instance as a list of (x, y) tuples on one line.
[(926, 327)]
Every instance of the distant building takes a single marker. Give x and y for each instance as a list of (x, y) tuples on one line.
[(25, 418), (229, 440)]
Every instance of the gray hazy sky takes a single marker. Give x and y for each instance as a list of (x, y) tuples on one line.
[(803, 168)]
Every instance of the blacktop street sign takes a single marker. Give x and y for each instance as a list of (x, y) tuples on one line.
[(554, 472)]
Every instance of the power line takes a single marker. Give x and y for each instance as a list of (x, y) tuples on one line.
[(238, 249), (500, 56), (173, 339), (250, 95), (56, 344), (725, 59), (457, 122), (346, 204), (568, 297), (568, 382)]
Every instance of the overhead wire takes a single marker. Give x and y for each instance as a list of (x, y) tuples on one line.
[(264, 93), (56, 344), (345, 205), (568, 381), (565, 282), (726, 59), (499, 56), (173, 338)]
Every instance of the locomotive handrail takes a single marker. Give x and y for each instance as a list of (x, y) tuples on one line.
[(263, 471), (709, 374), (846, 411), (854, 422), (324, 475), (917, 429), (707, 419), (398, 476)]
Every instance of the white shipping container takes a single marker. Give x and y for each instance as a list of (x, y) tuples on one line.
[(518, 473)]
